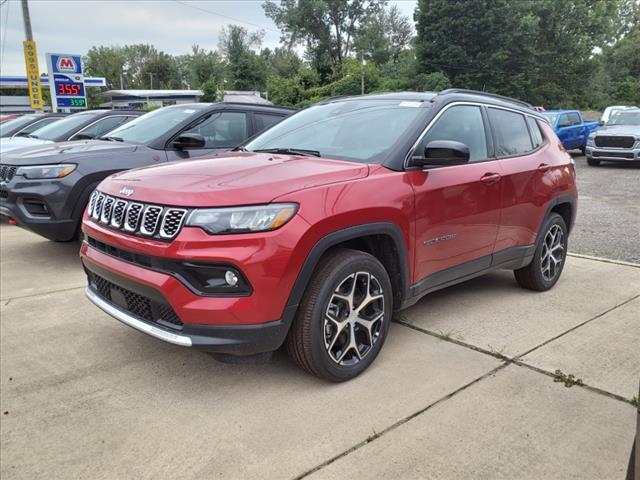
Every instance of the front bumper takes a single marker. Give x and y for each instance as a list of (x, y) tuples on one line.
[(245, 324), (228, 339), (41, 206), (613, 154)]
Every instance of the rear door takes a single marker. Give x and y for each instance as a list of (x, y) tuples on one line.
[(527, 178), (457, 207), (222, 130)]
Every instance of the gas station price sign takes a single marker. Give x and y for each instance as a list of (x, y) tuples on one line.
[(66, 81)]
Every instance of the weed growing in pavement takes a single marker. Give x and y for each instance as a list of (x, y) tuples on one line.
[(453, 334), (634, 402), (568, 380)]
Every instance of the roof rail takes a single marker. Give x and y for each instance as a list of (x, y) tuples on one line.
[(486, 94)]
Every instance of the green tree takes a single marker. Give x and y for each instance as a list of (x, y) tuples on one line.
[(245, 69), (383, 35), (327, 28)]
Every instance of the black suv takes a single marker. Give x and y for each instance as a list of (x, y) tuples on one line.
[(45, 189)]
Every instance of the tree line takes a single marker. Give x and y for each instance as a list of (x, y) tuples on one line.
[(556, 53)]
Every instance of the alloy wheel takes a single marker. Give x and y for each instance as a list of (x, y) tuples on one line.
[(353, 318), (553, 253)]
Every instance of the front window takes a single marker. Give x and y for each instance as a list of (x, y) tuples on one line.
[(152, 125), (626, 118), (63, 127), (356, 130)]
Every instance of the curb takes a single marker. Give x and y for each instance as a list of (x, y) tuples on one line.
[(605, 260)]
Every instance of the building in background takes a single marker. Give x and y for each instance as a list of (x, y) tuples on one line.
[(137, 99)]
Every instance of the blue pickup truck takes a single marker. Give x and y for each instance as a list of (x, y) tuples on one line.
[(571, 128)]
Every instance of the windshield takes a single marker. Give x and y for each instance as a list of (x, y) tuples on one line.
[(63, 128), (551, 117), (360, 130), (16, 123), (626, 118), (152, 125)]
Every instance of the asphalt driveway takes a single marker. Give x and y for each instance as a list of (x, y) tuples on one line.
[(464, 387)]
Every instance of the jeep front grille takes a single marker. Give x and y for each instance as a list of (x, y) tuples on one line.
[(136, 218), (7, 172)]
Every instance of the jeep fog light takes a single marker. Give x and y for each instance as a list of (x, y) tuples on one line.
[(231, 278)]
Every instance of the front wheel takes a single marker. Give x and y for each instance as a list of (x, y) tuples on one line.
[(548, 261), (344, 316)]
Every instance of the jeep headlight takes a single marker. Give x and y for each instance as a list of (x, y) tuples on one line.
[(260, 218), (46, 171)]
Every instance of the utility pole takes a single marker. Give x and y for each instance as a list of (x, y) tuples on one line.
[(121, 82), (31, 61), (362, 63), (27, 21), (150, 81)]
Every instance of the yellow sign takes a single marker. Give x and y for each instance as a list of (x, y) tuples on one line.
[(33, 74)]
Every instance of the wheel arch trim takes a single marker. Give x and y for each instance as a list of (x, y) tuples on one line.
[(351, 233)]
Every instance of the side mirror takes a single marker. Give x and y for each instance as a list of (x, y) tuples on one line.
[(189, 140), (601, 123), (442, 153)]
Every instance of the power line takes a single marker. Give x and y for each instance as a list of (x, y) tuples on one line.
[(227, 16)]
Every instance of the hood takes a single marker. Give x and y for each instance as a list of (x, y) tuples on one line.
[(232, 179), (51, 153), (8, 144), (633, 130)]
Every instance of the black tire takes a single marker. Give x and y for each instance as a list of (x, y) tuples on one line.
[(593, 163), (583, 150), (535, 276), (307, 340)]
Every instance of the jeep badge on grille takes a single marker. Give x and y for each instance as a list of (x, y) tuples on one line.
[(126, 191)]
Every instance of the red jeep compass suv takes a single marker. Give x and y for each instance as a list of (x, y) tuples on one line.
[(314, 232)]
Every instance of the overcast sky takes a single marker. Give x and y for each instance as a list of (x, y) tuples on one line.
[(74, 26)]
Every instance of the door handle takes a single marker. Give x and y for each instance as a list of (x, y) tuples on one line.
[(543, 167), (490, 178)]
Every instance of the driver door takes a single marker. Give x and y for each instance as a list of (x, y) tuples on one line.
[(222, 131), (457, 207)]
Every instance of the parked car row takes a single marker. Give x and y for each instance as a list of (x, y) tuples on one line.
[(46, 188), (307, 234)]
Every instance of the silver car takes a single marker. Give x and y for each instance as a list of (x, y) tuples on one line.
[(618, 140)]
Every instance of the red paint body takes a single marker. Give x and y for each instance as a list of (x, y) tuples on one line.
[(503, 210)]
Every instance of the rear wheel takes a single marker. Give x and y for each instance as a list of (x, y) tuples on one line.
[(548, 261), (344, 316), (592, 162)]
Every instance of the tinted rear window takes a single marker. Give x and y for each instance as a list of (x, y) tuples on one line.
[(536, 134)]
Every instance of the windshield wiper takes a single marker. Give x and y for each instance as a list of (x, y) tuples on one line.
[(112, 139), (290, 151), (31, 135)]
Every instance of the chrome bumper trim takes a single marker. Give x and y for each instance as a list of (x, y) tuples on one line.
[(132, 321)]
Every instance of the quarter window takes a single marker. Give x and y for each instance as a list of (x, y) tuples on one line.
[(103, 126), (461, 124), (536, 134), (264, 121), (222, 130), (511, 133)]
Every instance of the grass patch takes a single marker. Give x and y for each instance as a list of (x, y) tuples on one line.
[(568, 380)]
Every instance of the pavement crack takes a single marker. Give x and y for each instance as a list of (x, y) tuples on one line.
[(517, 359), (399, 423), (31, 295), (575, 327)]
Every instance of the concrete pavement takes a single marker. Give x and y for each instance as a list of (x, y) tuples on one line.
[(463, 388)]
